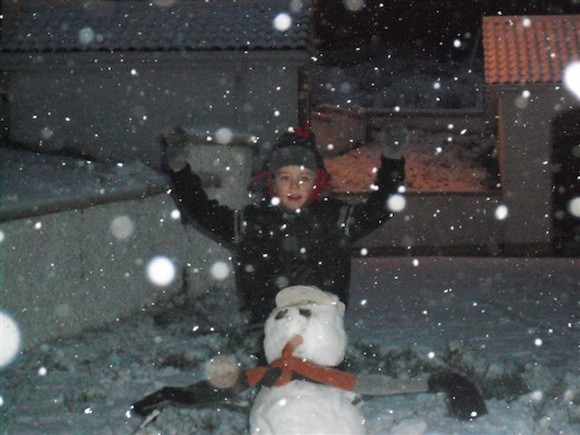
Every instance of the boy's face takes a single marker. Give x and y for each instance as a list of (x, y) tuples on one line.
[(293, 185)]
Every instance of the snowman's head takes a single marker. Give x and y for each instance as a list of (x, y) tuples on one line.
[(314, 315)]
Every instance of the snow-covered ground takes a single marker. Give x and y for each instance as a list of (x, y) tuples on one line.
[(434, 162), (509, 324)]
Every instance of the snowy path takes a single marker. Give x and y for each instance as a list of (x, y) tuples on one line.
[(518, 306), (485, 316)]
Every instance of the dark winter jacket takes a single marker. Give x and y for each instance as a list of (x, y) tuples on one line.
[(275, 248)]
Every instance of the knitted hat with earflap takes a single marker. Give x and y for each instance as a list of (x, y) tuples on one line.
[(296, 148), (292, 150)]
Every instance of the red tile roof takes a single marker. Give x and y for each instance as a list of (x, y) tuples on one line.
[(529, 49)]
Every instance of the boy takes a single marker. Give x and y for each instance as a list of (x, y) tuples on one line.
[(297, 235)]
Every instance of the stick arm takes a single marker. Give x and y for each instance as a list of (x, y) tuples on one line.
[(380, 385)]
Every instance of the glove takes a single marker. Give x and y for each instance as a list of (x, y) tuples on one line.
[(392, 139), (176, 149)]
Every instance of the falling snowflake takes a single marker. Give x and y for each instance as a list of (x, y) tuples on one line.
[(161, 271), (282, 22), (220, 270), (10, 333)]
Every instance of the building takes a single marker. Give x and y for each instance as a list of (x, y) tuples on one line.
[(530, 65), (106, 79)]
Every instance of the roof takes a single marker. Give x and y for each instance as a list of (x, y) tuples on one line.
[(132, 25), (529, 49)]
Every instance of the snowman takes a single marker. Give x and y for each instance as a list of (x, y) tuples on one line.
[(301, 391), (307, 326)]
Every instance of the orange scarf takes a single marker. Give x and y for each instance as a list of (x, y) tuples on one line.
[(290, 364)]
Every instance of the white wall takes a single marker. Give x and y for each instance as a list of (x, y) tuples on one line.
[(442, 222), (525, 156), (65, 272), (118, 105)]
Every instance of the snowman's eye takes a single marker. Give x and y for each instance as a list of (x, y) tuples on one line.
[(304, 312), (281, 314)]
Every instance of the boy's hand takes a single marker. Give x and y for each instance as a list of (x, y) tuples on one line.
[(176, 149), (393, 138)]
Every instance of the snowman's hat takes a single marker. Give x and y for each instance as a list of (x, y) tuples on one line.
[(304, 294)]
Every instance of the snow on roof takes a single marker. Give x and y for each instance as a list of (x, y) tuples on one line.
[(529, 49), (159, 25), (32, 183)]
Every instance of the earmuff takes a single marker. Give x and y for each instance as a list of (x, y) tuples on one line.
[(321, 184)]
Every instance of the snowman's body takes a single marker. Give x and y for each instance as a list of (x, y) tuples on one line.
[(301, 406)]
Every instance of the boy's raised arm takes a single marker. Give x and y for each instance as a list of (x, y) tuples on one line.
[(192, 201), (374, 212)]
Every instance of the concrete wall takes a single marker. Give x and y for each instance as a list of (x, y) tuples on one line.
[(118, 105), (441, 223), (67, 271), (525, 157)]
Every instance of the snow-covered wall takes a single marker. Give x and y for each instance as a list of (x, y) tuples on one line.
[(80, 268)]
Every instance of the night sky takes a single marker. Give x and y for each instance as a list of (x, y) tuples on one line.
[(427, 25)]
